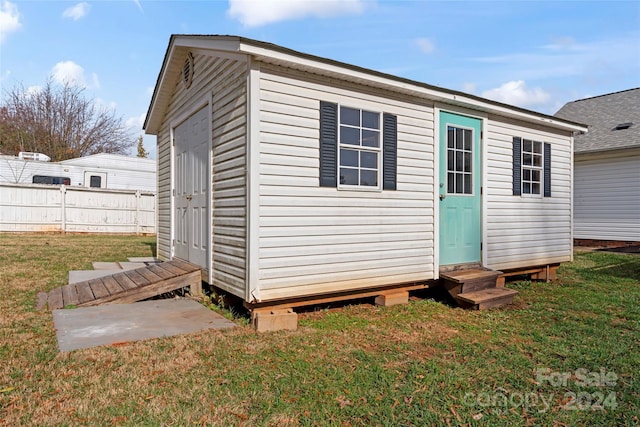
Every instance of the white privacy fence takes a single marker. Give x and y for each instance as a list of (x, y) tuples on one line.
[(33, 207)]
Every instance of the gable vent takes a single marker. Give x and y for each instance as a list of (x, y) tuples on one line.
[(622, 126), (187, 71)]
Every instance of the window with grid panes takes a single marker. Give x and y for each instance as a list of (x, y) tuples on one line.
[(459, 160), (359, 148), (531, 166)]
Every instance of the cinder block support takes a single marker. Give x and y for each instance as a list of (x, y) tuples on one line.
[(387, 300), (274, 320)]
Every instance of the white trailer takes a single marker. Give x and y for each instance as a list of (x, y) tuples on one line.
[(110, 171)]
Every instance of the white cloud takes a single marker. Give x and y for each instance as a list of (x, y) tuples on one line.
[(9, 19), (5, 75), (76, 12), (517, 93), (566, 57), (253, 13), (33, 90), (426, 45), (95, 81), (561, 43), (136, 122), (68, 72), (105, 105)]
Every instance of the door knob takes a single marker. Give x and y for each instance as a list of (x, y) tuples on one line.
[(189, 197), (443, 196)]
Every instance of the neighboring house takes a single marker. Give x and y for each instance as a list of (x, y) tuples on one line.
[(606, 188), (111, 171), (285, 175)]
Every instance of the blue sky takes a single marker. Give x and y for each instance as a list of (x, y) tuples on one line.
[(536, 55)]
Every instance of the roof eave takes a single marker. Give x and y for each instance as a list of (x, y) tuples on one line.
[(268, 52), (273, 53)]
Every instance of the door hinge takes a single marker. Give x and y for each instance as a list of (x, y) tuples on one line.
[(173, 242), (481, 189), (174, 192), (481, 135), (480, 245)]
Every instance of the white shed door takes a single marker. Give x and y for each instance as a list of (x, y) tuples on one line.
[(192, 176)]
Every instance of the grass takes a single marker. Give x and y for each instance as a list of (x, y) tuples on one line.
[(424, 363)]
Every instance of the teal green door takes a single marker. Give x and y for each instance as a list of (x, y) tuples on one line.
[(460, 233)]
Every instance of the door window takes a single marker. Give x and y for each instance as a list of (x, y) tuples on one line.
[(459, 160)]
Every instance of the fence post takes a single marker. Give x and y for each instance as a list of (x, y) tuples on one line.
[(138, 212), (63, 207)]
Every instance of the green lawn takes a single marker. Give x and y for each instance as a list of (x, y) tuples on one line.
[(566, 353)]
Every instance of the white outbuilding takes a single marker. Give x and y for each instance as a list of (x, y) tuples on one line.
[(292, 177)]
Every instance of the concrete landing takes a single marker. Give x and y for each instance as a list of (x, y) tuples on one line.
[(87, 327)]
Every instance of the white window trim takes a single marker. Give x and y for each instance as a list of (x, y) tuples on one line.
[(531, 168), (473, 166), (377, 150)]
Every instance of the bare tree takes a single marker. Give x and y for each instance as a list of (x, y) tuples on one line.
[(59, 122)]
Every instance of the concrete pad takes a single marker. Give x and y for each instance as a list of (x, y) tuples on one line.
[(87, 327), (131, 265), (144, 259), (97, 265), (76, 276)]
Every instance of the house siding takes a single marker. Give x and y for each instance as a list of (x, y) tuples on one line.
[(315, 239), (229, 211), (607, 196), (222, 82), (525, 231)]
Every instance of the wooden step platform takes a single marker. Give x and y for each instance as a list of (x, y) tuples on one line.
[(465, 276), (470, 280), (476, 288), (125, 286), (487, 298)]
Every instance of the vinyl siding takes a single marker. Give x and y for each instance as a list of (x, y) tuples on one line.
[(607, 196), (229, 179), (315, 239), (223, 80), (524, 231)]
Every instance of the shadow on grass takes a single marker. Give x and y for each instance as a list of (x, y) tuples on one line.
[(624, 266), (154, 248)]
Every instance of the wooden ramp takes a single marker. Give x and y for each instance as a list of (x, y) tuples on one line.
[(124, 286)]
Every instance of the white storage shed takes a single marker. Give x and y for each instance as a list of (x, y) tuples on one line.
[(286, 176)]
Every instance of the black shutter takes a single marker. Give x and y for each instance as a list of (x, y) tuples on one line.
[(547, 170), (517, 169), (328, 144), (389, 151)]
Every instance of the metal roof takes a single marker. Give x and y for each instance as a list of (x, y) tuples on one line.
[(604, 116)]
